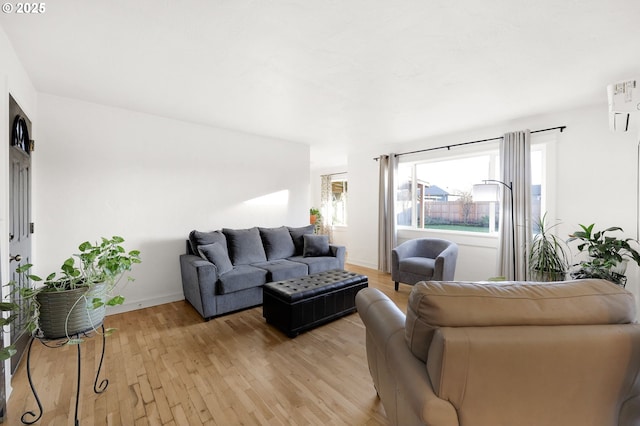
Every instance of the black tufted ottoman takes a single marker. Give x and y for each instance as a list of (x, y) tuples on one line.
[(300, 304)]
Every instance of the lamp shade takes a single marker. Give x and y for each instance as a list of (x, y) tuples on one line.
[(485, 192)]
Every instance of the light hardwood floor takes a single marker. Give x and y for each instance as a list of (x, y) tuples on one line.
[(166, 366)]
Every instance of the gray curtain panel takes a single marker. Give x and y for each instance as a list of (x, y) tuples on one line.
[(387, 237), (515, 168)]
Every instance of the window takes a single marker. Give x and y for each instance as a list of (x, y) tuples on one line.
[(339, 200), (436, 193), (536, 185)]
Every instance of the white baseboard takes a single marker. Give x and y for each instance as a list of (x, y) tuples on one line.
[(364, 264), (146, 303)]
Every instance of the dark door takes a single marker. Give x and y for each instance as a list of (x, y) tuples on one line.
[(20, 210)]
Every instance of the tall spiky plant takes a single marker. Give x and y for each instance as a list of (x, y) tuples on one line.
[(548, 260)]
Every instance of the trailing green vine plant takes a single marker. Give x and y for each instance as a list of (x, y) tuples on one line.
[(104, 262)]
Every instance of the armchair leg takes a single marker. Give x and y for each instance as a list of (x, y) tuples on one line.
[(396, 285)]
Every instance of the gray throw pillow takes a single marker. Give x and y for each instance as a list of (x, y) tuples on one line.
[(296, 236), (198, 238), (277, 243), (245, 246), (315, 245), (217, 255)]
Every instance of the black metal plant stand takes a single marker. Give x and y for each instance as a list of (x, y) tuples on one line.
[(97, 387)]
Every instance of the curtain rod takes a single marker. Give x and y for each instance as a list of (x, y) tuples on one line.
[(448, 147), (333, 174)]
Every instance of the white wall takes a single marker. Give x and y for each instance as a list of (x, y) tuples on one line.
[(596, 181), (363, 207), (103, 171)]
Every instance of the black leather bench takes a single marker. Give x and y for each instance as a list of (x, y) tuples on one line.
[(299, 304)]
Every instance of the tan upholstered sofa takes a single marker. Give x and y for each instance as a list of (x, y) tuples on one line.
[(510, 354)]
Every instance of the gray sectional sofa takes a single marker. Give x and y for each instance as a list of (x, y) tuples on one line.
[(224, 271)]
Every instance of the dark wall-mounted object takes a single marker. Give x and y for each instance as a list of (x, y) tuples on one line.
[(20, 134)]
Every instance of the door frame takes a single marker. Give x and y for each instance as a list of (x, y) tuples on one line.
[(5, 128), (16, 154), (5, 369)]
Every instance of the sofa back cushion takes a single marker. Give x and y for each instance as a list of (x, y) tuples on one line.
[(277, 242), (217, 255), (297, 236), (538, 375), (245, 246), (315, 245), (198, 238), (437, 304)]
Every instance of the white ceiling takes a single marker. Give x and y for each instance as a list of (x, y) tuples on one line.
[(331, 73)]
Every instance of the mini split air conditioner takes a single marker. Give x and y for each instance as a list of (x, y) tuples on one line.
[(624, 100)]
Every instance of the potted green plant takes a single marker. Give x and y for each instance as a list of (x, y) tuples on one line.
[(314, 215), (74, 300), (548, 259), (608, 256)]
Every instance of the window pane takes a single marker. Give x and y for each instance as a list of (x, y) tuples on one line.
[(443, 194), (537, 171), (404, 195), (339, 202)]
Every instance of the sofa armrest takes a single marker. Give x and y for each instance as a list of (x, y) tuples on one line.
[(445, 264), (199, 277), (339, 252), (406, 249), (400, 378), (416, 397)]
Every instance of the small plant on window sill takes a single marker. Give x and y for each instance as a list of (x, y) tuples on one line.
[(85, 287)]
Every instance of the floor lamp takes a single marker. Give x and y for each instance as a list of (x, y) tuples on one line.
[(487, 191)]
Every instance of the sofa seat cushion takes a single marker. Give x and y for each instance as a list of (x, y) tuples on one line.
[(282, 269), (437, 304), (241, 277), (245, 246), (318, 264), (278, 243), (418, 265)]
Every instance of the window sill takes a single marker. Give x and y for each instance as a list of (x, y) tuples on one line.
[(490, 235), (476, 239)]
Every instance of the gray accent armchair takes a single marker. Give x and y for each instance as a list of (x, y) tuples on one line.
[(423, 259)]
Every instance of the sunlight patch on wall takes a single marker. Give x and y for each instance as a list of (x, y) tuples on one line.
[(278, 198)]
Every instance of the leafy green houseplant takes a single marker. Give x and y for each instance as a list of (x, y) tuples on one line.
[(314, 215), (548, 260), (73, 300), (607, 255), (315, 219)]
